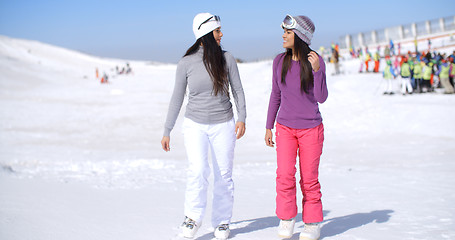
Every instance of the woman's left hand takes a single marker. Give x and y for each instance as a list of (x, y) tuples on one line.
[(314, 60), (239, 129)]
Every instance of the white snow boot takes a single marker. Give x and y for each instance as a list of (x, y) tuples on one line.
[(311, 231), (286, 228), (189, 228), (222, 232)]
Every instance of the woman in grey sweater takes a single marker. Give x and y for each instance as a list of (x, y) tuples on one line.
[(208, 72)]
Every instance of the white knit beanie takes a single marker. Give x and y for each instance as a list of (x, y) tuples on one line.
[(200, 28)]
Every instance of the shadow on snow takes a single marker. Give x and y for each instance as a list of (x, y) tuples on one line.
[(331, 227)]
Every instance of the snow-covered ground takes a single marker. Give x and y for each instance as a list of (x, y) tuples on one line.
[(83, 160)]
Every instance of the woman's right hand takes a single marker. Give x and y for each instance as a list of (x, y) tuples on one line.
[(269, 138), (165, 143)]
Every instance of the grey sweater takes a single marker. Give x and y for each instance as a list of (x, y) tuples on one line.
[(203, 106)]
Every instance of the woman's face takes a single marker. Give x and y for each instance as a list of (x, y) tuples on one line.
[(217, 34), (288, 38)]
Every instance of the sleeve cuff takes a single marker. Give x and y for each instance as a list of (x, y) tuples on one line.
[(167, 132)]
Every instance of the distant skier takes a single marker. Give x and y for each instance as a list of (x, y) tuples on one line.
[(418, 75), (452, 70), (387, 52), (367, 60), (376, 59), (443, 74), (128, 69), (336, 61), (388, 74), (392, 47), (361, 58), (427, 72), (104, 78), (405, 73), (396, 63)]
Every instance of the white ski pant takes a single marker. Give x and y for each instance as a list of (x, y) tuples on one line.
[(406, 83), (388, 86), (447, 86), (220, 140)]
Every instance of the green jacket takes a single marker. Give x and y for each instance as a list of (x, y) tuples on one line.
[(418, 71), (376, 57), (388, 72), (444, 71), (405, 70), (427, 71)]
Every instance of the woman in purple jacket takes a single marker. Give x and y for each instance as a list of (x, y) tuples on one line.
[(299, 83)]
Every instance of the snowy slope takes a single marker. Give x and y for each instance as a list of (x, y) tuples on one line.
[(82, 160)]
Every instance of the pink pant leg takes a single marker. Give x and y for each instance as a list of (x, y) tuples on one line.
[(310, 150), (308, 143), (286, 148)]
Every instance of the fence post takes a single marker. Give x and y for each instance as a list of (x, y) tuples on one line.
[(401, 32), (348, 41), (441, 24), (428, 27), (386, 34), (374, 37), (360, 36)]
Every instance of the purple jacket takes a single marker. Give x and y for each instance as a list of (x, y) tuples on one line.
[(297, 109)]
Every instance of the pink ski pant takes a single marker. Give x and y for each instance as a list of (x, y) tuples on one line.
[(307, 143)]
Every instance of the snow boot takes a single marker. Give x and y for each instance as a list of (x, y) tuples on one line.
[(189, 227), (311, 231), (286, 228), (222, 232)]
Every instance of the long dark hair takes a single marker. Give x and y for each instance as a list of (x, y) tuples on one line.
[(214, 62), (301, 52)]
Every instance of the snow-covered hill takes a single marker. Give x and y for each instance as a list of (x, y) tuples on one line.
[(82, 160)]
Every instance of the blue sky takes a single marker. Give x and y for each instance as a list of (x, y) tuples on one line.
[(162, 30)]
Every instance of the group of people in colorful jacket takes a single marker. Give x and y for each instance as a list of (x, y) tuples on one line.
[(365, 57), (420, 72)]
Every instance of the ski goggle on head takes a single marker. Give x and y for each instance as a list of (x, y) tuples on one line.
[(216, 18), (289, 22)]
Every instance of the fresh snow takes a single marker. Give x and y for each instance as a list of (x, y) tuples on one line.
[(83, 160)]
